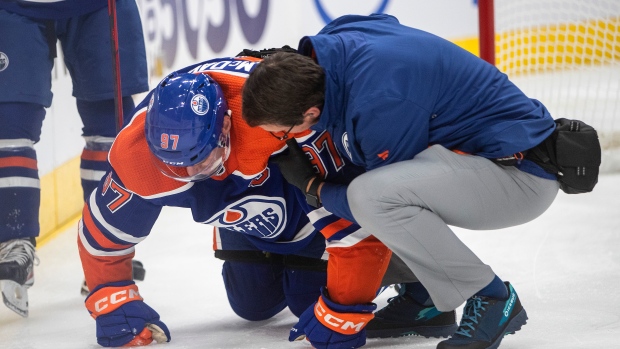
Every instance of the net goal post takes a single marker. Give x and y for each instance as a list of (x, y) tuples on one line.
[(565, 53)]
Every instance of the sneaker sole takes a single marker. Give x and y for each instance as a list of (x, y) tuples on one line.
[(513, 326), (422, 331)]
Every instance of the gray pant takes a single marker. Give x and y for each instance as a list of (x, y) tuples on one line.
[(409, 205)]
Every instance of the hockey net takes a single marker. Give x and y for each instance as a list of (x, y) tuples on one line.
[(565, 53)]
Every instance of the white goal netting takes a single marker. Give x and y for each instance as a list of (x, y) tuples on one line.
[(566, 53)]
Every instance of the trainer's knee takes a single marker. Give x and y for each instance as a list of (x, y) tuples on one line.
[(365, 194)]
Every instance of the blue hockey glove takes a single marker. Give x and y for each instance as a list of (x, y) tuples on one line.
[(329, 325), (123, 319)]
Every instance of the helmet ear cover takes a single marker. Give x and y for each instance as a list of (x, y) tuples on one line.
[(184, 124)]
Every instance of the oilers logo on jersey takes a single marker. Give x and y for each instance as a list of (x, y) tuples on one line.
[(260, 216)]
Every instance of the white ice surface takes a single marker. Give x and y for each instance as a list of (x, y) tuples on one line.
[(565, 266)]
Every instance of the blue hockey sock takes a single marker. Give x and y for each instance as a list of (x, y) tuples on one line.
[(418, 292), (495, 289), (99, 118)]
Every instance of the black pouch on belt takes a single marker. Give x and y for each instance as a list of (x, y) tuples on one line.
[(573, 153)]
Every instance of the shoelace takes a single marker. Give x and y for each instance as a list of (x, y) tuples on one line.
[(394, 300), (471, 313), (18, 250)]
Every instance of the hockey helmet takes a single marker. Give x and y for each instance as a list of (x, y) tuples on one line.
[(184, 121)]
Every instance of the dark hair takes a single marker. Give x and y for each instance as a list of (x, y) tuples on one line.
[(281, 89)]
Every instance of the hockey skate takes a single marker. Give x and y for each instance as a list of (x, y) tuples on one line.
[(403, 316), (17, 260)]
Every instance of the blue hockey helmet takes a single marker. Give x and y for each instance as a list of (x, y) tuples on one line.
[(184, 127)]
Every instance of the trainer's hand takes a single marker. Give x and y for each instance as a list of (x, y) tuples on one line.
[(295, 166), (329, 325), (122, 318)]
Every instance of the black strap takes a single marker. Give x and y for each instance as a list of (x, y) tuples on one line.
[(249, 256), (312, 196), (305, 263), (290, 261)]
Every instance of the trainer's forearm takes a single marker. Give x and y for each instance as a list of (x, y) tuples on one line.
[(334, 199)]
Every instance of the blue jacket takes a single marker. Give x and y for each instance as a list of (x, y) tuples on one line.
[(392, 91)]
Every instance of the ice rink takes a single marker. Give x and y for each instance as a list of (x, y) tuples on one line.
[(565, 266)]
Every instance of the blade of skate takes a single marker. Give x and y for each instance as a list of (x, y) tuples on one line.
[(15, 297)]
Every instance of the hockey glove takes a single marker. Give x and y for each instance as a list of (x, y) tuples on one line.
[(298, 171), (123, 319), (329, 325)]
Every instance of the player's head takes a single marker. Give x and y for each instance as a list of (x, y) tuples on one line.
[(187, 127)]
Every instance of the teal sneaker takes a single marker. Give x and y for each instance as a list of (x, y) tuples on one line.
[(486, 321)]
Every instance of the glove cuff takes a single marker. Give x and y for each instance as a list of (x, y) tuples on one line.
[(107, 299), (344, 323)]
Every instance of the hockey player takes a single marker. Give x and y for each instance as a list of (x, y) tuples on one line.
[(216, 166), (28, 48), (442, 135)]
